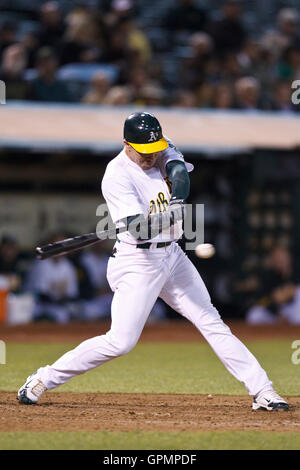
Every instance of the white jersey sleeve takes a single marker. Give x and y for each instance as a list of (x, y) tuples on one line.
[(121, 198), (172, 153)]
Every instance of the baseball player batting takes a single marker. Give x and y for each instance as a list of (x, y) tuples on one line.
[(145, 188)]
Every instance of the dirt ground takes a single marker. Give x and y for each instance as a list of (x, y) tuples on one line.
[(144, 412)]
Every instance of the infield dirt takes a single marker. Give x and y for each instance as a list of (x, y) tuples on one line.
[(132, 412), (65, 411)]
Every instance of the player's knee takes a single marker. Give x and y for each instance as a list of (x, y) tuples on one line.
[(121, 346), (124, 347), (118, 344), (210, 322)]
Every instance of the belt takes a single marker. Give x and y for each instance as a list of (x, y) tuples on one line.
[(146, 246)]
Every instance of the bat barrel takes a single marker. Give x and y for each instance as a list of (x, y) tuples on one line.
[(66, 246)]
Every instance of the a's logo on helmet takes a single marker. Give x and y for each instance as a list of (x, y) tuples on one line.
[(153, 136)]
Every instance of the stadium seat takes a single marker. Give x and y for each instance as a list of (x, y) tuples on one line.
[(85, 72)]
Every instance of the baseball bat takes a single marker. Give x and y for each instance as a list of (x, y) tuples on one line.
[(69, 245)]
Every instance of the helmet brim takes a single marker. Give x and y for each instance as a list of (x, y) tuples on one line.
[(152, 147)]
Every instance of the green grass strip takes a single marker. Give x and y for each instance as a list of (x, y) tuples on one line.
[(180, 368), (218, 440)]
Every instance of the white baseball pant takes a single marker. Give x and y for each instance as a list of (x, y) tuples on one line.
[(138, 277)]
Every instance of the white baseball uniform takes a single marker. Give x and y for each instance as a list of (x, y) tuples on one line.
[(138, 276)]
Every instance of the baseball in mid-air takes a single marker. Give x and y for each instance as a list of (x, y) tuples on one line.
[(205, 250)]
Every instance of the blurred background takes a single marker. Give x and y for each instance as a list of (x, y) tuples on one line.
[(218, 74)]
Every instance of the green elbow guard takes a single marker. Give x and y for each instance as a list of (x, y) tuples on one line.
[(179, 177)]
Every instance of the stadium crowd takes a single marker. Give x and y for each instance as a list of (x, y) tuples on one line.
[(193, 58)]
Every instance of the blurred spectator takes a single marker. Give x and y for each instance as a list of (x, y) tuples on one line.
[(151, 95), (288, 24), (231, 68), (193, 70), (8, 31), (281, 99), (14, 266), (128, 45), (83, 41), (13, 262), (95, 262), (247, 91), (98, 89), (136, 39), (116, 9), (229, 33), (278, 295), (46, 87), (8, 254), (185, 16), (117, 48), (223, 96), (117, 96), (184, 99), (80, 13), (54, 284), (12, 71), (31, 43), (205, 95), (285, 34), (250, 56), (213, 70), (51, 25), (289, 64), (259, 62), (138, 78), (85, 287), (14, 60)]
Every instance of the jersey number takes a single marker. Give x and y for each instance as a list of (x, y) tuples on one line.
[(160, 205)]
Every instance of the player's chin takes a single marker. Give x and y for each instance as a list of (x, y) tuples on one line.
[(149, 164)]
